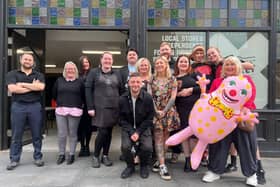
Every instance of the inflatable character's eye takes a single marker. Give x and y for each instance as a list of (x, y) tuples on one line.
[(243, 92), (232, 83)]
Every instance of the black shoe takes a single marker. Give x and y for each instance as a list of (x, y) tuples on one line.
[(261, 177), (39, 163), (106, 161), (87, 152), (127, 172), (70, 159), (12, 165), (82, 151), (60, 159), (187, 166), (122, 158), (144, 172), (95, 162), (230, 168), (204, 162)]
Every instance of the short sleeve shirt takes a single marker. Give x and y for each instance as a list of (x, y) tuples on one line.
[(17, 76)]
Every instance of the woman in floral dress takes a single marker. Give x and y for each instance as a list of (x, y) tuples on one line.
[(163, 91)]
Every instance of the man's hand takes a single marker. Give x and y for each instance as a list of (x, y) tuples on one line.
[(134, 137), (91, 113)]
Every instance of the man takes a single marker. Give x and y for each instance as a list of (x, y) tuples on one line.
[(165, 50), (25, 85), (136, 121), (131, 57)]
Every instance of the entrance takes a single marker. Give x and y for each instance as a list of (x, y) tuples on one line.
[(51, 49)]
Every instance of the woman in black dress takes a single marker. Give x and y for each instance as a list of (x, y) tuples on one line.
[(188, 93)]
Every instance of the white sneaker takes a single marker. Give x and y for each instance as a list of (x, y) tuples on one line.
[(210, 177), (163, 171), (252, 181)]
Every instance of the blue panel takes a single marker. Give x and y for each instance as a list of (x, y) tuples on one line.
[(77, 21), (125, 4), (44, 3), (118, 22), (53, 12), (151, 13), (234, 13), (95, 12), (191, 13), (223, 4), (216, 22), (182, 4), (264, 5), (242, 22), (174, 22), (85, 4), (12, 11), (35, 20)]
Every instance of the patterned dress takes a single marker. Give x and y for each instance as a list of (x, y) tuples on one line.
[(161, 92)]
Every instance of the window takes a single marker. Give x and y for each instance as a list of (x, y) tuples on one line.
[(246, 45)]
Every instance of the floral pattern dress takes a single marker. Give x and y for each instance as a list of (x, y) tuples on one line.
[(161, 93)]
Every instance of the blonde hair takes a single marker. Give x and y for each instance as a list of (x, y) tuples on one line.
[(236, 61), (138, 63), (165, 43), (167, 71), (75, 67)]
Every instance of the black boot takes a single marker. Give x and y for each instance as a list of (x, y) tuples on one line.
[(87, 152), (232, 166), (260, 173), (187, 167), (82, 151), (60, 159), (70, 159)]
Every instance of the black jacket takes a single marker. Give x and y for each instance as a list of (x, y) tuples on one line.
[(123, 73), (144, 112)]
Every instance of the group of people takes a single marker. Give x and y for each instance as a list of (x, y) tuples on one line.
[(148, 106)]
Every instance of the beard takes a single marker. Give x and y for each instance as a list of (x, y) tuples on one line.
[(27, 66)]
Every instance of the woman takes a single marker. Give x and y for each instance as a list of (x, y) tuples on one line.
[(103, 88), (143, 66), (188, 93), (163, 91), (85, 128), (68, 91), (246, 142)]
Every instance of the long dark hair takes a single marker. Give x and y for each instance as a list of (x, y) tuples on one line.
[(81, 61)]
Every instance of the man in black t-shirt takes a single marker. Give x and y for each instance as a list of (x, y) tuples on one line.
[(25, 85)]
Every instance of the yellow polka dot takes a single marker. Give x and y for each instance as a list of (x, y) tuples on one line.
[(200, 109), (224, 123), (199, 121), (216, 110), (213, 118), (209, 135), (200, 130), (222, 85), (252, 116), (238, 119), (207, 124), (248, 86), (241, 78), (207, 108), (220, 131), (214, 140)]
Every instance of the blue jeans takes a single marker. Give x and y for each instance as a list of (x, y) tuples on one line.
[(20, 114)]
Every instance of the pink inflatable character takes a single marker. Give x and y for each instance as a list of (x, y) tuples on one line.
[(215, 115)]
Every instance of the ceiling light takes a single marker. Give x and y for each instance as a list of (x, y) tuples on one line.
[(117, 66), (100, 52), (50, 65)]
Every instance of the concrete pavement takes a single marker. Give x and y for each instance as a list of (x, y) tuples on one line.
[(81, 174)]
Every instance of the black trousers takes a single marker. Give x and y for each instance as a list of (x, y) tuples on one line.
[(103, 141), (246, 145), (85, 129), (144, 151)]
